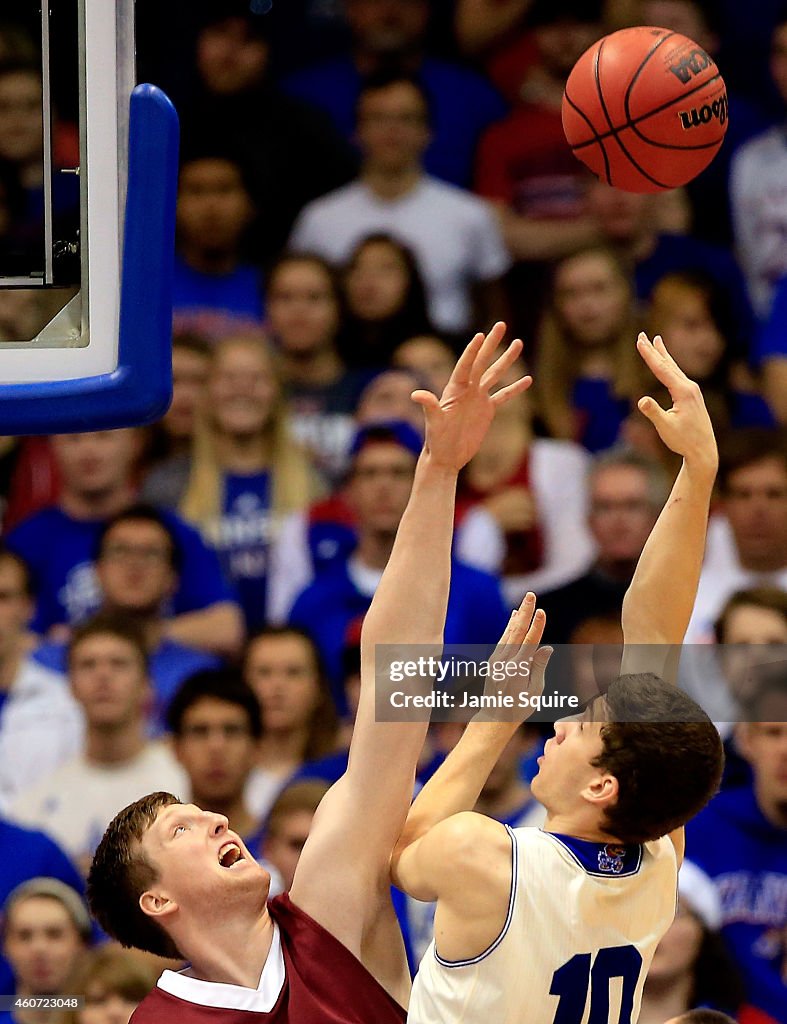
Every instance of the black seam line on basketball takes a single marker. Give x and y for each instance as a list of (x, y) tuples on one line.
[(597, 77), (637, 120), (589, 123), (644, 173), (638, 72)]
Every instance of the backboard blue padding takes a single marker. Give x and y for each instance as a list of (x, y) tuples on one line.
[(140, 389)]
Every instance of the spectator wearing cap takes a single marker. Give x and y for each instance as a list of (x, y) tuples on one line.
[(46, 929), (326, 533), (40, 722), (740, 840), (381, 477), (452, 233), (692, 967), (393, 33), (26, 854), (291, 152), (107, 668), (138, 566)]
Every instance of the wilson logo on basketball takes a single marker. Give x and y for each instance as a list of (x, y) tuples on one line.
[(691, 65), (716, 111)]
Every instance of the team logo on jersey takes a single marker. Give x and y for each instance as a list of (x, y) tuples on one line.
[(610, 858)]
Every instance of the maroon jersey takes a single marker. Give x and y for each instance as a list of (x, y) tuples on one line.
[(323, 984)]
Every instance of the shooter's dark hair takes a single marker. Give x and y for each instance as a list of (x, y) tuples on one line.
[(665, 753)]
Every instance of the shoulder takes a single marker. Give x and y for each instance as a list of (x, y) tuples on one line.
[(467, 576), (472, 842), (452, 198), (752, 154)]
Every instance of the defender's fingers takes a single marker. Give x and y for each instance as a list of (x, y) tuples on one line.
[(512, 390), (499, 366), (487, 351)]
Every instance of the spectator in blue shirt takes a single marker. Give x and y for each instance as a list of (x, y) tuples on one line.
[(214, 290), (381, 477), (394, 31), (138, 566), (59, 545), (740, 840)]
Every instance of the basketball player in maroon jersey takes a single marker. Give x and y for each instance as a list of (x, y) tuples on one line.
[(174, 880)]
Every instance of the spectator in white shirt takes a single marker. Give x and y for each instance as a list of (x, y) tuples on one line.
[(40, 722), (107, 664), (453, 234)]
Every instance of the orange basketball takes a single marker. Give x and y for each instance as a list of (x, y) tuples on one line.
[(645, 109)]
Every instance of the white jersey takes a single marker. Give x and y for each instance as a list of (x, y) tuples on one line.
[(583, 923)]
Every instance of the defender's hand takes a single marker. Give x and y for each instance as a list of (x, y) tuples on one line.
[(457, 423)]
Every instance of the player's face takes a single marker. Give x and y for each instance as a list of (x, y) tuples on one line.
[(756, 505), (621, 513), (241, 390), (377, 281), (284, 845), (393, 128), (201, 865), (302, 307), (135, 567), (591, 298), (109, 681), (217, 749), (564, 769), (282, 672), (98, 462), (379, 490), (42, 945), (213, 205), (189, 376)]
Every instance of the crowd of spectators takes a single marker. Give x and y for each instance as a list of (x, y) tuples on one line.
[(363, 184)]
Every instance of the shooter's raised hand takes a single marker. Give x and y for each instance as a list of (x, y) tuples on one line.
[(519, 646), (686, 427), (457, 423)]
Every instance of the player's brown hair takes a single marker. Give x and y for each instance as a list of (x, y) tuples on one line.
[(120, 873), (665, 753)]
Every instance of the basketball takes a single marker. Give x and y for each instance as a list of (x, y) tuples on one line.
[(645, 109)]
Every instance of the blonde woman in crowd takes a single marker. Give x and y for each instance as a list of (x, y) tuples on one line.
[(246, 471)]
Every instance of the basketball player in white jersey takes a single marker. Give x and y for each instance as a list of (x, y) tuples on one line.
[(172, 879), (559, 925)]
